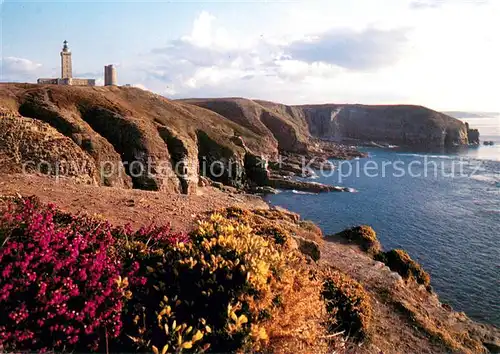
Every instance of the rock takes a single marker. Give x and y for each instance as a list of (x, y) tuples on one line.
[(256, 169), (218, 185), (396, 277), (264, 190), (32, 146), (472, 135), (312, 187), (492, 347), (203, 181), (363, 236), (446, 307), (402, 125), (308, 247)]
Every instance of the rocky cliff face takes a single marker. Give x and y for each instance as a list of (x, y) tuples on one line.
[(135, 138), (291, 126), (141, 140), (472, 135), (398, 125)]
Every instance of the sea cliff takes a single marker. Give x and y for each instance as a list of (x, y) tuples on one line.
[(223, 271)]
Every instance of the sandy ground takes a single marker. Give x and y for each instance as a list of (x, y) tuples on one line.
[(120, 206)]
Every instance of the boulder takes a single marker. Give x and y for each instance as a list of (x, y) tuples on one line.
[(308, 247)]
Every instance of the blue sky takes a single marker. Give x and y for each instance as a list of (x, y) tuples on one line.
[(442, 54)]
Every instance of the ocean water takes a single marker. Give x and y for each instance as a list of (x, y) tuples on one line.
[(444, 210)]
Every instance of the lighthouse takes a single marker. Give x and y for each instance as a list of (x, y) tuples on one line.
[(66, 69)]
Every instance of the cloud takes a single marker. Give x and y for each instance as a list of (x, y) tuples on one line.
[(212, 62), (140, 86), (434, 4), (15, 69), (89, 74), (209, 57), (355, 50)]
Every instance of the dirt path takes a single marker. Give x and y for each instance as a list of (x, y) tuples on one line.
[(120, 206)]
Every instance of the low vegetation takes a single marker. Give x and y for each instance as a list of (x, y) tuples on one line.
[(363, 236), (238, 282), (397, 260), (400, 261), (74, 283), (285, 228), (347, 304), (454, 339)]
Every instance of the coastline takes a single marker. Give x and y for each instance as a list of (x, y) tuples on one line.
[(423, 322), (162, 158)]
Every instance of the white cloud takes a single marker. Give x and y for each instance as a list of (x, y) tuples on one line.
[(368, 49), (140, 86), (406, 56), (209, 61), (13, 68), (433, 4)]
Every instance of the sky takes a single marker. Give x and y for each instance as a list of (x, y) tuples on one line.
[(444, 54)]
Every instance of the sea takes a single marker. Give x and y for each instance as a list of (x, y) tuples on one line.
[(442, 207)]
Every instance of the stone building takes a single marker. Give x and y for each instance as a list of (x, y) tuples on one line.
[(66, 68), (110, 76), (67, 72)]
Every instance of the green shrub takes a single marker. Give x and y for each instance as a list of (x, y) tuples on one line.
[(347, 304), (399, 261), (259, 224), (211, 292), (225, 287), (310, 226), (363, 236)]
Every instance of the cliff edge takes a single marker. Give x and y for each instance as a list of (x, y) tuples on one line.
[(403, 125)]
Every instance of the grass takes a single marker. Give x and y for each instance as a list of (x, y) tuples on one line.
[(363, 236), (348, 305), (400, 261)]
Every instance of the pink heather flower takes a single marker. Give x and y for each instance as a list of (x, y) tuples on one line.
[(58, 274), (48, 266)]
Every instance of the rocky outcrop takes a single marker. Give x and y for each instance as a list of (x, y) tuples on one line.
[(39, 105), (256, 169), (138, 139), (308, 247), (472, 135), (293, 126), (311, 187), (219, 162), (397, 125), (31, 146), (141, 140)]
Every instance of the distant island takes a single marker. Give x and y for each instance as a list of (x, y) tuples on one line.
[(462, 114)]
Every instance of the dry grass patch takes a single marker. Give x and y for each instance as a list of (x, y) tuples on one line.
[(363, 236), (456, 342), (400, 261), (348, 305)]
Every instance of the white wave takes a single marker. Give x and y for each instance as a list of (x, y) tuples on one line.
[(487, 179), (300, 192), (492, 211), (430, 156), (352, 190)]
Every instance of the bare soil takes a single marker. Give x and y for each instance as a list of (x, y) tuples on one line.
[(121, 206)]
